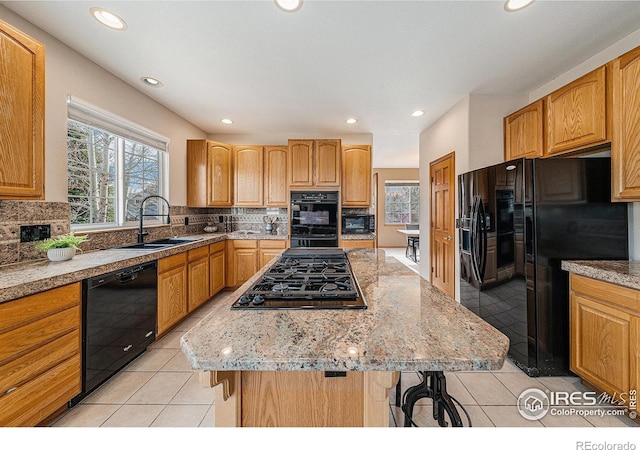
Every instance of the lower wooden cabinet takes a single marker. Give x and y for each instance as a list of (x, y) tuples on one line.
[(40, 348), (172, 291), (604, 335), (217, 268), (246, 256), (358, 243), (198, 277)]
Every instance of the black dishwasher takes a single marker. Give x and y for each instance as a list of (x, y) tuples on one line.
[(119, 321)]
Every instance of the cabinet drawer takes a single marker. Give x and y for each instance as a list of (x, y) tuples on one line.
[(36, 400), (27, 309), (36, 333), (22, 369), (245, 243), (198, 253), (273, 244), (603, 291), (170, 262), (217, 247)]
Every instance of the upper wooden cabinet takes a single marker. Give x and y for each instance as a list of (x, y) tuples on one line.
[(248, 179), (356, 175), (577, 114), (209, 173), (275, 175), (314, 163), (523, 132), (625, 142), (21, 115)]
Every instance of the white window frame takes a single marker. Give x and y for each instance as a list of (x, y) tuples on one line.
[(415, 183), (87, 114)]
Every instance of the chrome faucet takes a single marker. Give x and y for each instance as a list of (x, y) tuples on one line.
[(141, 233)]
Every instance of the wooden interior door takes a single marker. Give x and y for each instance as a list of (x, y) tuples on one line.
[(442, 246)]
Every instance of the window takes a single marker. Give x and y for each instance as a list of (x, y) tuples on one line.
[(112, 165), (401, 202)]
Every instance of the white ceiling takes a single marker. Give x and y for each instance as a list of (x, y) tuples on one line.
[(306, 72)]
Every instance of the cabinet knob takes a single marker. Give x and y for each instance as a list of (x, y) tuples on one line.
[(127, 348)]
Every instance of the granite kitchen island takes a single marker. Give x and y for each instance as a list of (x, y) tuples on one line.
[(335, 367)]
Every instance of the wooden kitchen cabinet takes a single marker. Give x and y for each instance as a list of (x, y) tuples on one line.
[(40, 352), (356, 175), (22, 73), (217, 268), (248, 176), (314, 163), (524, 132), (209, 173), (246, 256), (604, 334), (269, 250), (198, 277), (172, 291), (625, 142), (242, 261), (358, 243), (577, 114), (276, 193)]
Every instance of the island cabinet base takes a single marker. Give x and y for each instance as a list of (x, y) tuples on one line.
[(300, 399)]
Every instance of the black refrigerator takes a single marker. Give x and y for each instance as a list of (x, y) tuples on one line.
[(517, 221)]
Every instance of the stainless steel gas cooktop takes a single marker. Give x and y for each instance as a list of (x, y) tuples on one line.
[(306, 278)]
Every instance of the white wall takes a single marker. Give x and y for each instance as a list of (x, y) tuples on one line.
[(396, 151), (449, 133), (68, 72)]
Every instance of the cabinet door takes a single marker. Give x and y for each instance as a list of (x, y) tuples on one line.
[(625, 143), (275, 176), (219, 173), (328, 155), (356, 175), (268, 250), (198, 278), (358, 243), (577, 114), (216, 272), (300, 163), (600, 338), (172, 297), (21, 115), (248, 179), (523, 132), (245, 264)]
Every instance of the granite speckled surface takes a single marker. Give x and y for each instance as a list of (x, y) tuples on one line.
[(357, 237), (409, 325), (624, 273)]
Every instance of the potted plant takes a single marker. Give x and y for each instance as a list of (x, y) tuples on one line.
[(61, 248)]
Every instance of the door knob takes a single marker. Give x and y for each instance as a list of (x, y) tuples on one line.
[(448, 238)]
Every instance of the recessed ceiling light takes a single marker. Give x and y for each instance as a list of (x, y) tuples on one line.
[(108, 19), (289, 5), (516, 5), (417, 113), (150, 81), (226, 121), (350, 121)]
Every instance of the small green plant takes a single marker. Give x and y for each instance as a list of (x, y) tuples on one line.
[(63, 241)]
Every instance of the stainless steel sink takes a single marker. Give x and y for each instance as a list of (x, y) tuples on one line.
[(157, 244)]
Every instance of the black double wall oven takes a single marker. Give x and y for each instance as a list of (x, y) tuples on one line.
[(314, 219)]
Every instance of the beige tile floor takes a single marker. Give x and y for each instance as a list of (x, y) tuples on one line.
[(159, 389)]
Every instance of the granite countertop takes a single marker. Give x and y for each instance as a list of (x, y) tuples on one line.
[(409, 325), (357, 236), (624, 273), (19, 280)]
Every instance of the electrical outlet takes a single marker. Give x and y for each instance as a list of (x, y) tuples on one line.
[(31, 233), (186, 220)]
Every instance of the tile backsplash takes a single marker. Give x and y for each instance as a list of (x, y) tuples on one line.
[(184, 220)]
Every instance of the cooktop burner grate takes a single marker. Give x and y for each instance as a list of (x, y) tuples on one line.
[(306, 279)]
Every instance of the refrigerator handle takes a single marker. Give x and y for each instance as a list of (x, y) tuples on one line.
[(482, 228), (474, 239)]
